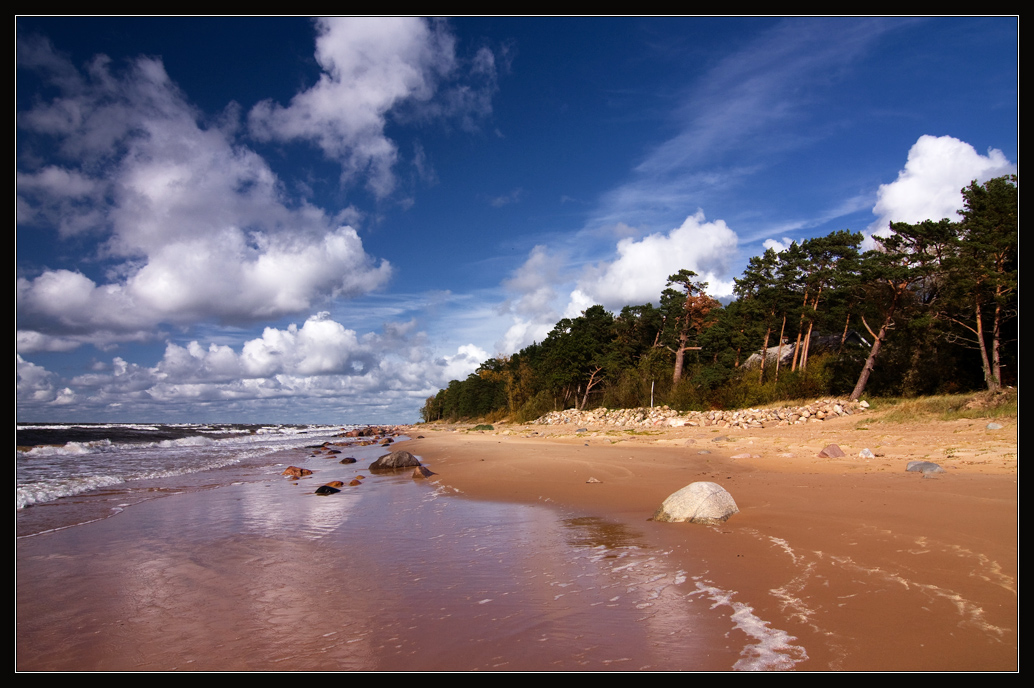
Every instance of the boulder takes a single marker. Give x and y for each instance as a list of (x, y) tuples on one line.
[(832, 451), (924, 467), (701, 502), (296, 472), (347, 459), (326, 490), (421, 472), (396, 459)]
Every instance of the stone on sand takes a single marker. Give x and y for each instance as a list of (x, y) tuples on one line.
[(396, 459), (701, 502)]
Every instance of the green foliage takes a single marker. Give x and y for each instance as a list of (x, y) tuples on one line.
[(482, 428), (536, 407)]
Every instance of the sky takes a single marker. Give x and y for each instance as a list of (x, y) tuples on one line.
[(324, 221)]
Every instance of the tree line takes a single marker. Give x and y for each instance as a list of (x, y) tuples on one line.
[(933, 309)]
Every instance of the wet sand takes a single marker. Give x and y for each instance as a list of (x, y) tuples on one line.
[(509, 560)]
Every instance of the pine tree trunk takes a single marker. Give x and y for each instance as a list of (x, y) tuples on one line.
[(870, 362), (779, 353), (807, 346), (996, 338), (989, 378), (764, 356), (843, 337)]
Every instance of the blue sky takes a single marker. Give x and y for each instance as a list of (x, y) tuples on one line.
[(292, 220)]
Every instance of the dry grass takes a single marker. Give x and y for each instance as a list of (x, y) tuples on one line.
[(982, 405)]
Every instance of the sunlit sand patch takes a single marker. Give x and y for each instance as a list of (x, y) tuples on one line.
[(971, 613)]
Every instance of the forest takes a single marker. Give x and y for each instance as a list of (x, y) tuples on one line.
[(932, 310)]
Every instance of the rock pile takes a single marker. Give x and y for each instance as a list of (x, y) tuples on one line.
[(662, 416)]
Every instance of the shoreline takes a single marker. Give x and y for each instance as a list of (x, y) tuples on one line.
[(868, 566), (507, 559)]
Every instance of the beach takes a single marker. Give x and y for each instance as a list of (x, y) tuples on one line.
[(510, 558)]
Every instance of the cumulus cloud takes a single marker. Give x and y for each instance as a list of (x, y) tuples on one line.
[(534, 285), (196, 226), (642, 267), (35, 383), (465, 361), (371, 66), (319, 360), (636, 274), (779, 245), (930, 185)]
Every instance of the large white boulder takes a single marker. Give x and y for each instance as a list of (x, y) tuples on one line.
[(702, 502)]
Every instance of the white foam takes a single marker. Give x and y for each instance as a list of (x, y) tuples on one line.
[(773, 649)]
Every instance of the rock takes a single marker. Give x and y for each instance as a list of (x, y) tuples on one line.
[(924, 467), (355, 482), (740, 456), (296, 472), (421, 472), (347, 459), (326, 490), (701, 502), (594, 480), (396, 459), (994, 426), (335, 483), (866, 454), (831, 452)]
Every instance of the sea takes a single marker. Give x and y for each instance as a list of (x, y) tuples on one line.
[(182, 547)]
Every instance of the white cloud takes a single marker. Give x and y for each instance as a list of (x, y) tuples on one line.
[(779, 245), (372, 66), (318, 366), (930, 185), (534, 310), (466, 360), (35, 383), (197, 225), (642, 267)]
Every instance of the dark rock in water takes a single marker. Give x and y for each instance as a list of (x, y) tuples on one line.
[(701, 502), (296, 472), (333, 451), (422, 472), (326, 490), (396, 459), (831, 452), (924, 467), (386, 441), (355, 482), (348, 459)]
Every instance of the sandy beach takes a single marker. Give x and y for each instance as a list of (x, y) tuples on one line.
[(869, 567), (509, 559)]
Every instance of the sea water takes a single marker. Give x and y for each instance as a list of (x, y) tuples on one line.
[(259, 573)]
